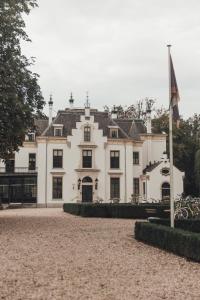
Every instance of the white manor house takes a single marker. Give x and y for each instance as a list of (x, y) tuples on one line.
[(85, 155)]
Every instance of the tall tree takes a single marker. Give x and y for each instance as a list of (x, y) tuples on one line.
[(197, 170), (186, 143), (20, 94)]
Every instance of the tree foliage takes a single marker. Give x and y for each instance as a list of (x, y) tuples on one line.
[(20, 94), (134, 111)]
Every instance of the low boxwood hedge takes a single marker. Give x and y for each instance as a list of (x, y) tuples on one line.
[(120, 210), (189, 225), (180, 242)]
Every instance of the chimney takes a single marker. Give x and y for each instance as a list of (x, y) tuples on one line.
[(148, 114), (149, 105), (87, 106), (71, 101), (114, 113), (164, 157), (50, 109)]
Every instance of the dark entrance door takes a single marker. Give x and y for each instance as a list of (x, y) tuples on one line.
[(87, 193)]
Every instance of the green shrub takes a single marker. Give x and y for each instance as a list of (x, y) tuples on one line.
[(189, 225), (180, 242), (121, 210)]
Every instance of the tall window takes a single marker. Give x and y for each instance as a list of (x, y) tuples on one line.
[(32, 161), (87, 158), (10, 165), (144, 188), (57, 187), (114, 159), (57, 158), (136, 158), (114, 188), (136, 186), (87, 134), (165, 191)]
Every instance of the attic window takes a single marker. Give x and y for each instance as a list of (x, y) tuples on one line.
[(57, 131), (114, 133)]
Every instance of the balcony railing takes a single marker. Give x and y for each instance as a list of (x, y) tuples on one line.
[(17, 170)]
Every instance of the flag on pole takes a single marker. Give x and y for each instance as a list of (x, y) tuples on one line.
[(174, 94)]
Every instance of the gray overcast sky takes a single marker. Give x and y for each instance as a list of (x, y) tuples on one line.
[(116, 50)]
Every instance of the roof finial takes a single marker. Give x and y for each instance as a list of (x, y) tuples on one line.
[(50, 100), (71, 101), (87, 104)]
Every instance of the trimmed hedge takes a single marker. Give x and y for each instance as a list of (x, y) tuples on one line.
[(177, 241), (120, 210), (189, 225)]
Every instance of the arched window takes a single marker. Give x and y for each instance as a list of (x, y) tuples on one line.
[(165, 191), (87, 134), (87, 179)]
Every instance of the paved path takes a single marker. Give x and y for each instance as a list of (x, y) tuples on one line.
[(48, 254)]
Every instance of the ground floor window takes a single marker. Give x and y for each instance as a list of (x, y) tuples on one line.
[(57, 187), (115, 188), (18, 189), (136, 186)]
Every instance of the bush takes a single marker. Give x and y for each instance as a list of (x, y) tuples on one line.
[(180, 242), (189, 225), (121, 210)]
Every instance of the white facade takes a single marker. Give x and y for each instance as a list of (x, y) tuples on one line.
[(73, 182)]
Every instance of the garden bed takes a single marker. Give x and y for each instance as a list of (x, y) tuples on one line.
[(120, 210), (178, 241)]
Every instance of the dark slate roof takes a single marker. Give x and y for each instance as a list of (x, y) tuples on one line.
[(40, 125), (69, 117), (151, 167)]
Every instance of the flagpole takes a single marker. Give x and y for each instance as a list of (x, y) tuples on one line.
[(171, 147)]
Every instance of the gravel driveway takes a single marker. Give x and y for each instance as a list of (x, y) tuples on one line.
[(48, 254)]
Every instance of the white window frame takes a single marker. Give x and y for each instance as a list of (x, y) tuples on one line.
[(58, 127)]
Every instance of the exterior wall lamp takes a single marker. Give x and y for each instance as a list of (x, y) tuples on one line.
[(79, 184), (96, 183)]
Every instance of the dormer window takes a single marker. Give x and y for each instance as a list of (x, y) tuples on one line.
[(31, 136), (58, 130), (114, 133), (87, 134)]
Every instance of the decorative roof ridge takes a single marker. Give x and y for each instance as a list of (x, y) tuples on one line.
[(151, 166)]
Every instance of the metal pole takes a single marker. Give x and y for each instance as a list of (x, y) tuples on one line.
[(125, 178), (46, 173), (171, 148)]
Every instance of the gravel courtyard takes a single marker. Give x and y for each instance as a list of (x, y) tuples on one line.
[(48, 254)]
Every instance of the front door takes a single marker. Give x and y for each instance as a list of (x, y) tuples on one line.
[(87, 193)]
